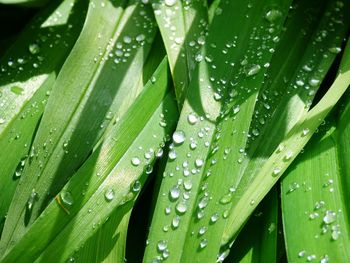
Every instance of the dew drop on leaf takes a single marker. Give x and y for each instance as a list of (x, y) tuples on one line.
[(34, 49), (135, 161), (273, 15), (162, 245), (109, 195), (67, 198), (179, 137)]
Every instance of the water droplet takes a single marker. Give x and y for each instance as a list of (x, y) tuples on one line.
[(330, 217), (135, 161), (302, 253), (175, 192), (179, 137), (276, 170), (136, 186), (175, 222), (140, 37), (253, 70), (214, 218), (314, 82), (192, 118), (181, 207), (31, 200), (2, 121), (34, 49), (187, 184), (172, 155), (226, 199), (334, 50), (170, 2), (199, 163), (202, 230), (162, 245), (109, 195), (203, 202), (67, 198), (272, 15), (203, 243), (305, 132)]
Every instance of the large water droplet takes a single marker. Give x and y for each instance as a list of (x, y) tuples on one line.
[(192, 118), (67, 198), (136, 161), (109, 195), (162, 245), (253, 70), (179, 137), (34, 49), (181, 207), (170, 2), (175, 192), (329, 217), (273, 15)]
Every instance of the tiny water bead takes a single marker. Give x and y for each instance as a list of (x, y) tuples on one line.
[(136, 161), (179, 137), (32, 199), (276, 171), (109, 195), (199, 163), (2, 120), (67, 198)]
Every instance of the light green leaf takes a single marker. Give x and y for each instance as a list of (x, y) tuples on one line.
[(295, 140), (232, 64), (315, 193)]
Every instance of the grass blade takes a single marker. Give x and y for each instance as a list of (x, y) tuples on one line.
[(257, 242), (108, 84), (183, 27), (113, 157), (295, 140), (321, 204), (29, 69), (207, 104)]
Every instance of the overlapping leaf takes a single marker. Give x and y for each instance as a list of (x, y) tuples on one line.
[(28, 71), (110, 51)]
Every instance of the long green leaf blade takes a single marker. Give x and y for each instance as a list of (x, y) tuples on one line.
[(315, 194), (29, 69), (116, 180)]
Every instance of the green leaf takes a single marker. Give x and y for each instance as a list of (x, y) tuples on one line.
[(110, 179), (294, 141), (232, 61), (30, 3), (29, 69), (257, 242), (85, 100), (183, 26), (315, 195)]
